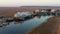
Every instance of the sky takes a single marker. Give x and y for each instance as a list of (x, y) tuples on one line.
[(17, 3)]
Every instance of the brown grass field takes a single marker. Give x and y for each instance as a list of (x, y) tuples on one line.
[(10, 11), (7, 11)]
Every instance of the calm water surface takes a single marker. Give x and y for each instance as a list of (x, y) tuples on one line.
[(22, 27)]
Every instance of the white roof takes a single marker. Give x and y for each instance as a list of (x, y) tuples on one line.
[(22, 14), (43, 11), (52, 10), (36, 10)]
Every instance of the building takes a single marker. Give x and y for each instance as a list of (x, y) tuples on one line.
[(57, 12), (17, 14), (22, 14)]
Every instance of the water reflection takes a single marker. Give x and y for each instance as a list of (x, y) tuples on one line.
[(15, 22), (21, 22), (37, 16), (3, 23), (8, 23), (23, 26)]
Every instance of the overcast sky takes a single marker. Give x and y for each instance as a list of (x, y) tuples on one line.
[(13, 3)]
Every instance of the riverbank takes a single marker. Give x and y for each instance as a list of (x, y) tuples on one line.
[(50, 27)]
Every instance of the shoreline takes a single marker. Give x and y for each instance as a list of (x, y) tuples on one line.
[(48, 27)]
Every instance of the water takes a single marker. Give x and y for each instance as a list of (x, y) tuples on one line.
[(23, 27)]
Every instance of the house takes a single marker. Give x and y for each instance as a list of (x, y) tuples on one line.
[(57, 12), (17, 14), (44, 12), (53, 10), (22, 16)]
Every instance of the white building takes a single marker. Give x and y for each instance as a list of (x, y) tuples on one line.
[(22, 14), (17, 14), (43, 11), (53, 10), (37, 11)]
